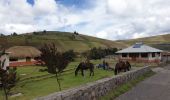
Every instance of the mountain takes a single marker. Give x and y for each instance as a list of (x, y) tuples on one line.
[(160, 41), (78, 42), (63, 40)]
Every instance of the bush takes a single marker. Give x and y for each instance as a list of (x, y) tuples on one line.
[(69, 55), (98, 53)]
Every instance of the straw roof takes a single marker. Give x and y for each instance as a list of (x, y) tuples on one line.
[(23, 52)]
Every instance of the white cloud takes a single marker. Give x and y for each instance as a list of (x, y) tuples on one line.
[(18, 28), (117, 6), (43, 7), (102, 34), (139, 35), (110, 19)]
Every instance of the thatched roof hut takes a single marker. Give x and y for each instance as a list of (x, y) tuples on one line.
[(23, 52)]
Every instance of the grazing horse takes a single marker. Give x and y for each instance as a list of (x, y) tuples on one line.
[(121, 65), (84, 66)]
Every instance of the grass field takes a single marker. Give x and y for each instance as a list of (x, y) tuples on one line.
[(80, 43), (34, 83), (63, 40)]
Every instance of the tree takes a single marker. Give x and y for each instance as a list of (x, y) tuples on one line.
[(69, 55), (2, 35), (54, 60), (76, 33), (98, 53), (14, 34), (35, 33), (44, 31), (8, 77)]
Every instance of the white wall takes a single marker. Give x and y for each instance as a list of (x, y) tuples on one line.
[(23, 60), (6, 58), (157, 56)]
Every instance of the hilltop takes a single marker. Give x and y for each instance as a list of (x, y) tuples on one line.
[(67, 40), (160, 41), (63, 40)]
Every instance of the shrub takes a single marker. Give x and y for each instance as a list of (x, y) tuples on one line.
[(69, 55), (98, 53)]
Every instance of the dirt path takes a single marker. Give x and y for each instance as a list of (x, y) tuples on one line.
[(156, 87)]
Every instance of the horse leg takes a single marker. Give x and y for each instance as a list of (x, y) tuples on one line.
[(91, 72), (118, 70), (115, 71), (125, 69), (82, 72), (76, 72), (128, 68)]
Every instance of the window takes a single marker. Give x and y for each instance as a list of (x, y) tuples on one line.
[(158, 53), (153, 54), (28, 59), (13, 59), (124, 54), (144, 55), (133, 55)]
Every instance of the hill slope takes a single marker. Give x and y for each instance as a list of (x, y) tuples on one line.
[(160, 41), (63, 40)]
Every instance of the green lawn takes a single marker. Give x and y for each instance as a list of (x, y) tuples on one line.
[(41, 86), (34, 83)]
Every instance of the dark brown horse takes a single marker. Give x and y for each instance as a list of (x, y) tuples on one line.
[(121, 65), (85, 66)]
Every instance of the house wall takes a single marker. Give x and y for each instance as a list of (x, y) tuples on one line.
[(22, 60), (165, 58), (6, 57), (155, 59)]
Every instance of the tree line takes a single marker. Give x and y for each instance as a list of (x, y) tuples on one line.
[(98, 53)]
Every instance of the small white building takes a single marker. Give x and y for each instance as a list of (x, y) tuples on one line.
[(140, 53), (23, 55)]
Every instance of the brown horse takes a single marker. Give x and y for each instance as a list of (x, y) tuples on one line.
[(121, 65), (85, 66)]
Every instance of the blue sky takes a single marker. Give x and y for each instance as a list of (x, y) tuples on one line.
[(79, 4), (30, 2), (108, 19)]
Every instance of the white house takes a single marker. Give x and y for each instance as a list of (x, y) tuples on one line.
[(140, 52), (23, 55)]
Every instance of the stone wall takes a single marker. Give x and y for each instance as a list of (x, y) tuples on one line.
[(94, 90)]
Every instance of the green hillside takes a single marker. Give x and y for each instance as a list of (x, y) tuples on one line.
[(63, 40), (79, 43), (159, 41)]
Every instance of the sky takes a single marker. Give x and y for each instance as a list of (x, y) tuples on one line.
[(108, 19)]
